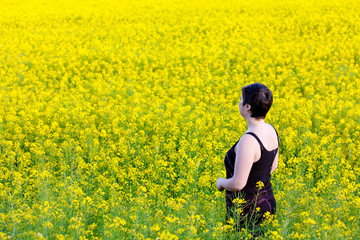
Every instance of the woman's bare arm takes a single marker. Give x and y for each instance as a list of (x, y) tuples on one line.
[(245, 156), (275, 163)]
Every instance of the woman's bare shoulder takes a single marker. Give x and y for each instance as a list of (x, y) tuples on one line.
[(269, 137), (246, 141)]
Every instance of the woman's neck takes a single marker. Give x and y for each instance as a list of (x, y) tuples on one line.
[(253, 123)]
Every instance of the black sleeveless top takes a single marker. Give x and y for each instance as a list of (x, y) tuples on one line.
[(260, 171)]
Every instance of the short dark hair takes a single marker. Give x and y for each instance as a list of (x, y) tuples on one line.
[(259, 97)]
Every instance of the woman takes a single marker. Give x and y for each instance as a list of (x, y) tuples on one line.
[(251, 160)]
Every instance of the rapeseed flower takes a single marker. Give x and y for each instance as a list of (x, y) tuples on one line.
[(115, 116)]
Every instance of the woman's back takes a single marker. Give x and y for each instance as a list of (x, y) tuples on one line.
[(267, 135), (262, 167)]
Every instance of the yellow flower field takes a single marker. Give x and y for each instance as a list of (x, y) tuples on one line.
[(115, 116)]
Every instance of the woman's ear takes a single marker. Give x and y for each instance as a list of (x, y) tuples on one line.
[(247, 107)]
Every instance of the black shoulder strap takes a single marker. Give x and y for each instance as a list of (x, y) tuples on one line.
[(256, 137)]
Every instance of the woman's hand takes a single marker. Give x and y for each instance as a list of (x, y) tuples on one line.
[(218, 184)]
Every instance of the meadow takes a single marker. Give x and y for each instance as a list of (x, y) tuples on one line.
[(116, 116)]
